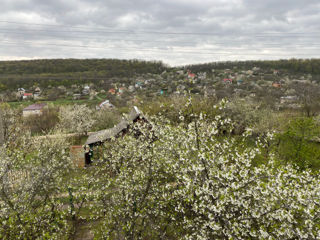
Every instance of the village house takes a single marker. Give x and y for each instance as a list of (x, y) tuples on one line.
[(76, 96), (131, 88), (249, 72), (37, 93), (105, 105), (138, 84), (227, 71), (121, 91), (276, 72), (227, 80), (202, 76), (288, 99), (86, 90), (34, 109), (20, 92), (112, 91), (239, 81), (255, 70), (276, 85), (163, 91), (27, 96), (191, 75)]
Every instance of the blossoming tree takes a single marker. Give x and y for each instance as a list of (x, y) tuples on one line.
[(191, 182)]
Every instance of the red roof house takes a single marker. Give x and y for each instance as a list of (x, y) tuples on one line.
[(227, 80), (112, 91), (191, 75), (27, 95), (276, 85)]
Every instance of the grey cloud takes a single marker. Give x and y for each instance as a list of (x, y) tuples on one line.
[(238, 29)]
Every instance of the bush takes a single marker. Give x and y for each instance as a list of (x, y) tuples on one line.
[(298, 143), (186, 182), (44, 123)]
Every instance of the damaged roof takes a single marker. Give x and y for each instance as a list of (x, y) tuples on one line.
[(103, 135)]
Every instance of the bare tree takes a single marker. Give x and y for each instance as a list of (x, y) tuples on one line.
[(309, 97)]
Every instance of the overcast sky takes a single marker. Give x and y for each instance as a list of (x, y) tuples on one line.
[(175, 31)]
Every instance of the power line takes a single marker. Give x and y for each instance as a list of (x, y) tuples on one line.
[(100, 38), (130, 31), (156, 41), (153, 50)]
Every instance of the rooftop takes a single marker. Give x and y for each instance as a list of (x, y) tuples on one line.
[(103, 135), (36, 106)]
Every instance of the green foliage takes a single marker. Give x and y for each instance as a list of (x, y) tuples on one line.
[(186, 174), (174, 108), (187, 182), (311, 66), (55, 72), (31, 178), (105, 119), (44, 123), (298, 143)]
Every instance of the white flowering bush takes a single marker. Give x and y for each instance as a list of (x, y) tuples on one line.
[(191, 182), (75, 119), (31, 181), (188, 180)]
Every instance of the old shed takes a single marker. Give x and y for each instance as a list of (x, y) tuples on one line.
[(97, 138)]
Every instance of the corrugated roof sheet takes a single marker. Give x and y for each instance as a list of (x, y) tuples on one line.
[(103, 135)]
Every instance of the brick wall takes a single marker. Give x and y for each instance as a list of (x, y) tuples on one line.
[(77, 156)]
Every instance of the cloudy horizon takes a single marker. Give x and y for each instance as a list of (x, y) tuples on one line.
[(176, 32)]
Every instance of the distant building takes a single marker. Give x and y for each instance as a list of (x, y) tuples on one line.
[(62, 88), (275, 72), (163, 91), (34, 109), (191, 75), (202, 75), (288, 99), (121, 90), (37, 92), (276, 85), (227, 71), (112, 91), (249, 72), (27, 96), (255, 69), (138, 84), (105, 105), (86, 90), (76, 96), (21, 91), (131, 88), (239, 81), (227, 80)]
